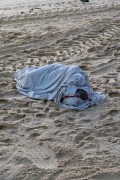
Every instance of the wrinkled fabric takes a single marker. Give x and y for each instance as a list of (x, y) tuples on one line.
[(53, 82)]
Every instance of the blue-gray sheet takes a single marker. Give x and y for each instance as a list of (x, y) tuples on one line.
[(54, 81)]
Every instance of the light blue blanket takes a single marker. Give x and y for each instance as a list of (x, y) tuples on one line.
[(54, 81)]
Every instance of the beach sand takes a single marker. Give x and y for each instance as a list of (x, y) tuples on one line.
[(39, 140)]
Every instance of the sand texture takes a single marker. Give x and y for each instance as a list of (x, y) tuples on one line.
[(39, 140)]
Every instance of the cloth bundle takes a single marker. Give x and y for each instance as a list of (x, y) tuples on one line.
[(68, 86)]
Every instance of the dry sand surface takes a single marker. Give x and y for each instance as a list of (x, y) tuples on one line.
[(38, 140)]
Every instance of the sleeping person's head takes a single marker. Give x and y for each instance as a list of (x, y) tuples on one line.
[(78, 99)]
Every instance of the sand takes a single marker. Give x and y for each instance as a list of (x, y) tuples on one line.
[(39, 140)]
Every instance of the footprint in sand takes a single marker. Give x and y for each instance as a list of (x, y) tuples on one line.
[(40, 155)]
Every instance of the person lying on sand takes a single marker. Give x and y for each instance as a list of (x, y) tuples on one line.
[(67, 85)]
